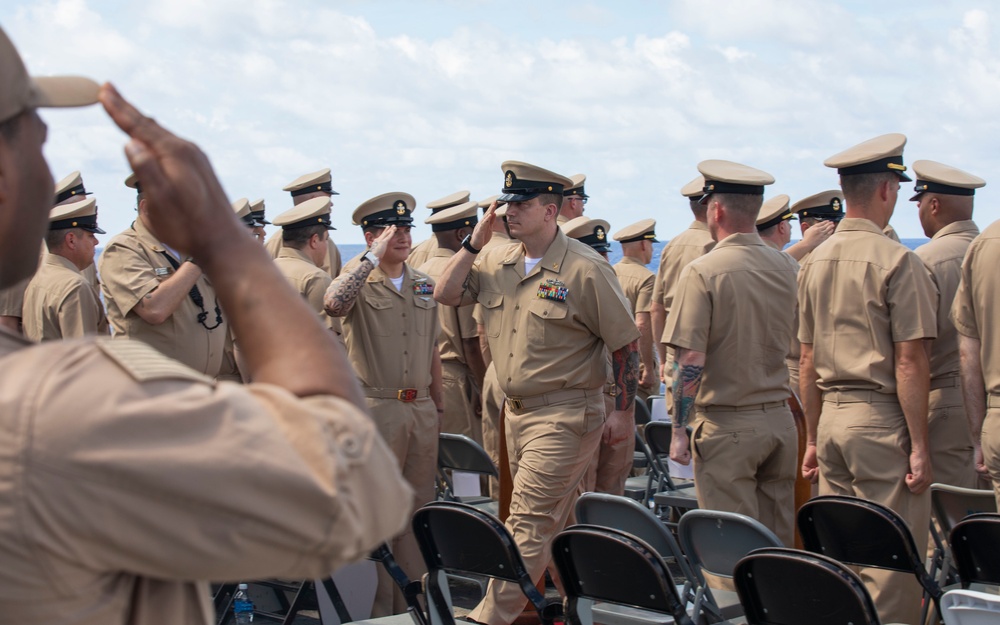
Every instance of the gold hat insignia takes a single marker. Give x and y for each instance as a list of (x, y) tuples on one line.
[(400, 207), (508, 181), (600, 233), (835, 204)]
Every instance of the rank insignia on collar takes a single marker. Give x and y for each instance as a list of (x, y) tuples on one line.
[(552, 289), (420, 287)]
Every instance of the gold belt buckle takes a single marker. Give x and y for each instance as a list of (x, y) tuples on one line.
[(516, 404), (406, 394)]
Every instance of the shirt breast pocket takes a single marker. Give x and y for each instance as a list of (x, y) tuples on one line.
[(424, 316), (492, 310), (381, 316), (546, 316)]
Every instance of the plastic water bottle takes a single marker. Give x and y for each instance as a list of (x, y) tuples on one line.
[(242, 606)]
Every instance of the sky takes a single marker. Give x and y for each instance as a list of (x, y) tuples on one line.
[(430, 97)]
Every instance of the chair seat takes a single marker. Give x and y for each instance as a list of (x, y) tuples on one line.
[(635, 487), (681, 498)]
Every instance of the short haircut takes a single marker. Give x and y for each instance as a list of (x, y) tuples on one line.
[(551, 198), (743, 206), (859, 188), (54, 239), (697, 207), (298, 237), (769, 231)]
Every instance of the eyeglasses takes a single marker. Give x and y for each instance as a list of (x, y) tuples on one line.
[(582, 198)]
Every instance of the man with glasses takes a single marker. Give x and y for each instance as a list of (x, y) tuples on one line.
[(574, 199)]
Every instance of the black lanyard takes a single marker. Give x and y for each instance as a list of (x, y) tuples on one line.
[(198, 300)]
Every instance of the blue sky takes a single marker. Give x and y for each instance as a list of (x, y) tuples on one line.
[(430, 97)]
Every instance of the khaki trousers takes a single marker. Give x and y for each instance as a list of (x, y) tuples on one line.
[(549, 449), (411, 431), (745, 462), (458, 395), (613, 463), (991, 445), (950, 439), (492, 400), (863, 450)]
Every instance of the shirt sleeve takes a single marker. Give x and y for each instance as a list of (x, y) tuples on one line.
[(609, 316), (912, 300), (161, 472), (315, 289), (126, 275), (806, 306), (77, 312), (691, 314), (645, 298), (963, 312), (658, 291)]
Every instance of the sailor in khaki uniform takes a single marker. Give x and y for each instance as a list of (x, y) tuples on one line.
[(157, 295), (59, 302), (258, 220), (493, 397), (821, 211), (302, 189), (638, 283), (613, 461), (574, 199), (135, 466), (944, 197), (462, 366), (552, 307), (390, 322), (735, 305), (866, 309), (69, 189), (694, 242), (424, 250), (304, 233)]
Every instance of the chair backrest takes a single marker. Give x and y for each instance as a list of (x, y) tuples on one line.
[(975, 542), (970, 607), (633, 518), (642, 416), (604, 564), (951, 504), (658, 435), (459, 538), (460, 453), (715, 541), (790, 587)]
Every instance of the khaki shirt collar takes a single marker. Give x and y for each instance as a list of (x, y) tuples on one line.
[(56, 260), (442, 252), (146, 237), (628, 260), (859, 224), (957, 227), (377, 275), (291, 252), (698, 225), (552, 260), (741, 239)]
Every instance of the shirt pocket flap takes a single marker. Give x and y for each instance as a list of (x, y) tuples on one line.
[(424, 302), (379, 303), (546, 309), (491, 300)]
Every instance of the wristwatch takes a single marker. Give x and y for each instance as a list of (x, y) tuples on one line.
[(467, 244), (373, 259)]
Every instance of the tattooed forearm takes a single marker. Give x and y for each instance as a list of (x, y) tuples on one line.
[(343, 292), (687, 381), (625, 363)]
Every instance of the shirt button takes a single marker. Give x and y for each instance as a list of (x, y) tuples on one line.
[(518, 307), (515, 330), (512, 355), (404, 333)]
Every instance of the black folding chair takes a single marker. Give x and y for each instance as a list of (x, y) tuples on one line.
[(459, 538), (604, 564), (780, 586), (457, 452), (951, 504), (975, 543), (668, 495), (865, 533)]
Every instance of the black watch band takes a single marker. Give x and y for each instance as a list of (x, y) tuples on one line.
[(467, 244)]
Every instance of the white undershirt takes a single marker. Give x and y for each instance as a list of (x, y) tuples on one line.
[(529, 264), (397, 282)]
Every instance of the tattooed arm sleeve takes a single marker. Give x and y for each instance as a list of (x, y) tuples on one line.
[(343, 292), (688, 367), (625, 363)]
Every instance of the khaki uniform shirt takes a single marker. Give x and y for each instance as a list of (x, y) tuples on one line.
[(331, 263), (309, 280), (735, 305), (12, 299), (498, 238), (547, 330), (127, 477), (859, 294), (943, 256), (390, 335), (60, 303), (637, 283), (422, 252), (456, 321), (132, 266), (694, 242), (978, 300)]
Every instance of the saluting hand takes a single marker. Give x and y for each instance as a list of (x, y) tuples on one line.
[(381, 242), (187, 207), (483, 231)]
